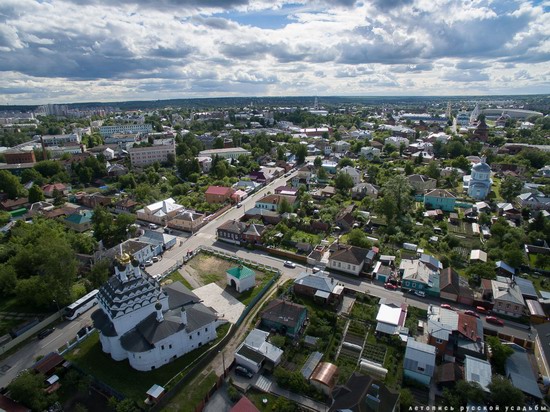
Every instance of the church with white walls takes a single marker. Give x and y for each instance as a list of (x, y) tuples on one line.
[(149, 324)]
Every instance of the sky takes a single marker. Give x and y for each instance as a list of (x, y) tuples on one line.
[(66, 51)]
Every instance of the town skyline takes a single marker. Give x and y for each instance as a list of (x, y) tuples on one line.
[(97, 50)]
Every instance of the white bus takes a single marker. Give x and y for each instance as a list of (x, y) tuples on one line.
[(77, 308)]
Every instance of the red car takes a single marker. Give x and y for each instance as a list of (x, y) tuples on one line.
[(471, 313), (446, 306), (390, 286), (494, 321)]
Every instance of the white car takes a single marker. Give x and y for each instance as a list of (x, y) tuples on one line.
[(289, 264), (316, 269), (149, 262)]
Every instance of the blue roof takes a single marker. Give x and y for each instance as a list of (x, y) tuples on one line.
[(314, 281), (311, 363), (520, 372), (525, 285), (503, 265)]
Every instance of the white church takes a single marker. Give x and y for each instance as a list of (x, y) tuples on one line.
[(148, 324), (478, 183)]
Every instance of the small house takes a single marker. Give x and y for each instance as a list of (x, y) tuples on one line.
[(285, 317), (419, 363)]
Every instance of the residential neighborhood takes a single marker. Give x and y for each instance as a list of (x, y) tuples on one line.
[(375, 262)]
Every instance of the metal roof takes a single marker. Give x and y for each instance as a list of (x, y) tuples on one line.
[(311, 363), (519, 371)]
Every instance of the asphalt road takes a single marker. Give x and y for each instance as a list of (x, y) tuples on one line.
[(26, 356), (65, 331)]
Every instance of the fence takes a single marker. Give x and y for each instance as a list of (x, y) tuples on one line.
[(207, 357), (25, 335)]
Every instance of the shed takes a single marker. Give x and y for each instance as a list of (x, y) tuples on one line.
[(241, 278), (324, 377), (154, 393)]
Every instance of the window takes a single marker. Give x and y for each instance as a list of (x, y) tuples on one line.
[(414, 285), (170, 346), (206, 329), (421, 369), (162, 347), (439, 340), (190, 337), (349, 266), (198, 333)]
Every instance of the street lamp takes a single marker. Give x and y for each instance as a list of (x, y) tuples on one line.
[(57, 304)]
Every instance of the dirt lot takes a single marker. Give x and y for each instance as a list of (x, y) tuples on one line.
[(207, 269)]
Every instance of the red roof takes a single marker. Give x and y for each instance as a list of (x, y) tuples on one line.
[(244, 405), (467, 326), (48, 363), (218, 190)]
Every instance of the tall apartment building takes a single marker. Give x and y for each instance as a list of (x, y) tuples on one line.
[(145, 156), (107, 131)]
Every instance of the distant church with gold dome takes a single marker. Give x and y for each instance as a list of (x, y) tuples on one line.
[(149, 324)]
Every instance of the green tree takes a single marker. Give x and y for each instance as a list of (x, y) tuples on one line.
[(343, 182), (8, 280), (357, 237), (318, 162), (5, 217), (284, 206), (48, 168), (301, 153), (510, 187), (406, 399), (10, 185), (100, 273), (218, 143), (432, 170), (346, 161), (322, 174), (500, 353), (32, 175), (504, 393), (397, 199), (28, 389), (109, 229), (35, 194)]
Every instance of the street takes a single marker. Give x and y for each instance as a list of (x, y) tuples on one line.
[(26, 356), (206, 236)]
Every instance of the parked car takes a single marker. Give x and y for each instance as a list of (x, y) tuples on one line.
[(289, 264), (390, 286), (239, 204), (471, 313), (155, 259), (420, 294), (494, 320), (446, 306), (242, 371), (481, 309), (149, 262), (45, 332), (316, 269)]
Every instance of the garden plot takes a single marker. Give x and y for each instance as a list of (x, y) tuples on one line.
[(374, 353), (353, 341)]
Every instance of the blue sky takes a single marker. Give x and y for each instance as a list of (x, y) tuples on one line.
[(106, 50)]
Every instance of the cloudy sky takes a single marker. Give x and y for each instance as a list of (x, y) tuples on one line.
[(54, 51)]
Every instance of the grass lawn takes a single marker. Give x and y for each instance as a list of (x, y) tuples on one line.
[(300, 236), (210, 269), (257, 398), (89, 357), (246, 297), (192, 394), (176, 276), (533, 263)]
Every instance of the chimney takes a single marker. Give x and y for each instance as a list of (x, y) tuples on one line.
[(44, 154), (184, 316), (158, 308)]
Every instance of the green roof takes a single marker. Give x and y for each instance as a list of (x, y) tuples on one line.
[(241, 272), (80, 218)]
